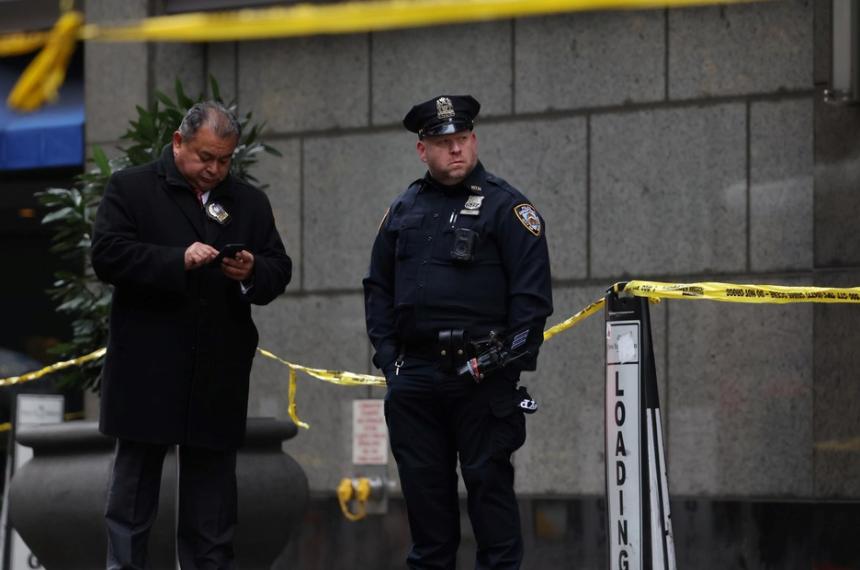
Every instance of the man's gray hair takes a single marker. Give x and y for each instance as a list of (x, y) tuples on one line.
[(216, 116)]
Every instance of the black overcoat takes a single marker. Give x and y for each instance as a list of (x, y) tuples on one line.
[(181, 342)]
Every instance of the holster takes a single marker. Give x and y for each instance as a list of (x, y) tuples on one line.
[(452, 348)]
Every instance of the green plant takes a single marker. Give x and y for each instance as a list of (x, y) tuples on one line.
[(71, 212)]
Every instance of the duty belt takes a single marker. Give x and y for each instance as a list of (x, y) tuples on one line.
[(451, 349)]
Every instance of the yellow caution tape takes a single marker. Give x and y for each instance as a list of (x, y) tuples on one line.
[(654, 290), (21, 43), (575, 319), (35, 375), (44, 76), (331, 376), (352, 17), (733, 293), (42, 79), (291, 398)]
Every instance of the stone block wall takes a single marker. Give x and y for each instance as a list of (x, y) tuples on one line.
[(679, 145)]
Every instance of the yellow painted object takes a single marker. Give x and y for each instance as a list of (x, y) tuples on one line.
[(42, 79), (21, 43), (359, 492)]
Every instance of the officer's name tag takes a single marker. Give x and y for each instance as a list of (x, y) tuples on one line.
[(470, 212)]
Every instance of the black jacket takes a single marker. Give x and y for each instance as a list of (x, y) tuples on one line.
[(416, 286), (181, 342)]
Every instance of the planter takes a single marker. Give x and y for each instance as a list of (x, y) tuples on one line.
[(57, 499)]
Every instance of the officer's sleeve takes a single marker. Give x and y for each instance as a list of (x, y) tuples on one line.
[(119, 257), (379, 297), (273, 268), (526, 260)]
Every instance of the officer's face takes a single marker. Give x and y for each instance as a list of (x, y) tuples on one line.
[(204, 159), (449, 158)]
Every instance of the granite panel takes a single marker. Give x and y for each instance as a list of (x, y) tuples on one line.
[(589, 60), (564, 451), (746, 48), (410, 66), (115, 80), (111, 11), (321, 332), (668, 191), (349, 181), (303, 84), (781, 189), (115, 73), (183, 61), (280, 177), (221, 63), (836, 450), (837, 170), (546, 160), (823, 41), (740, 398)]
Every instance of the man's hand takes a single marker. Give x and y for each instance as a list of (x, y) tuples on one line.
[(199, 254), (240, 268)]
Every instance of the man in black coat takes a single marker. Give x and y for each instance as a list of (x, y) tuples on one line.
[(456, 299), (181, 335)]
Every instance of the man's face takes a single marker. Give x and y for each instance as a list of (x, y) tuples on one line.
[(449, 158), (204, 159)]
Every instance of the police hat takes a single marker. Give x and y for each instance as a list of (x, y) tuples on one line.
[(442, 115)]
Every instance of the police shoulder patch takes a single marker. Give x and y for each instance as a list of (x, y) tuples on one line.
[(528, 217)]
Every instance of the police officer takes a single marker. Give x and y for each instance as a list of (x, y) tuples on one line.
[(456, 299)]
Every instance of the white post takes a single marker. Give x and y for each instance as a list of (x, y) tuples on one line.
[(637, 496)]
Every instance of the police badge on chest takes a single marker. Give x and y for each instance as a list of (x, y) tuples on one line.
[(216, 212), (472, 207)]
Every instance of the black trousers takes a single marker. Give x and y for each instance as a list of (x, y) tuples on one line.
[(207, 506), (433, 419)]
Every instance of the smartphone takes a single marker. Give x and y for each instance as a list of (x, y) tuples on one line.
[(229, 250)]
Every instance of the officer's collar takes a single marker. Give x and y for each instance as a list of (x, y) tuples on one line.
[(167, 167), (473, 183)]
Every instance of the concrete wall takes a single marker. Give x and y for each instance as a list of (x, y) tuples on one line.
[(680, 145)]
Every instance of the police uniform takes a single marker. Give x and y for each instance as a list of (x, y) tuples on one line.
[(451, 266)]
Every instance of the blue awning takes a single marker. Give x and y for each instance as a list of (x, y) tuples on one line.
[(53, 136)]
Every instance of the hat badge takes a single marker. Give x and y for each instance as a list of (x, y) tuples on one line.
[(444, 108)]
